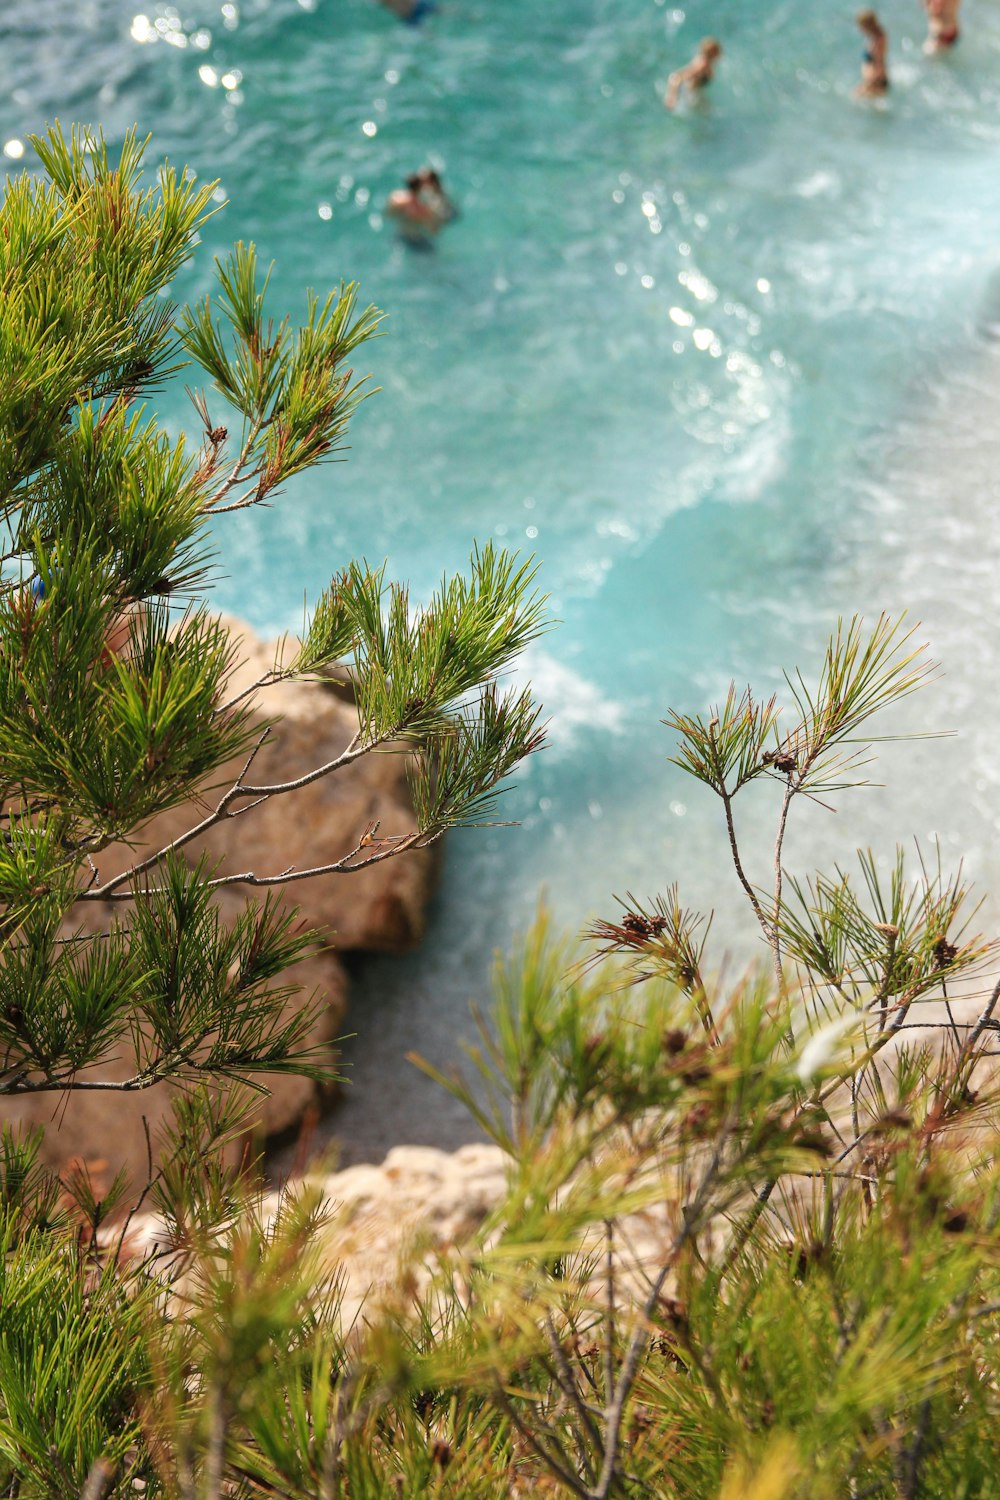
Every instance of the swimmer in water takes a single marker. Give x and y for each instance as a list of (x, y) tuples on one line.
[(410, 11), (874, 73), (421, 208), (942, 24), (697, 74), (433, 194)]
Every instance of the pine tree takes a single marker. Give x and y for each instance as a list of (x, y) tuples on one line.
[(810, 1150), (113, 671)]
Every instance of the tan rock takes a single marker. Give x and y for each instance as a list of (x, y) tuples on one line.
[(377, 1213), (432, 1200), (107, 1130), (380, 909), (437, 1200)]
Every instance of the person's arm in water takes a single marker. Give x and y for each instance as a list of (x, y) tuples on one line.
[(675, 83), (696, 74)]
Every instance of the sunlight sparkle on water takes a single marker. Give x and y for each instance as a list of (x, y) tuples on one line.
[(699, 286), (765, 485)]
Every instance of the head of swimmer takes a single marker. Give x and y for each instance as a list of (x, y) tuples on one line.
[(425, 178), (869, 23), (710, 48)]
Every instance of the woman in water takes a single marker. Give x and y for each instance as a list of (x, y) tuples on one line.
[(697, 74), (942, 24), (874, 73)]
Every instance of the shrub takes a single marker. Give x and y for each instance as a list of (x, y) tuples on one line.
[(113, 692), (115, 704)]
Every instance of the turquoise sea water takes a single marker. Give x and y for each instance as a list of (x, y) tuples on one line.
[(728, 374)]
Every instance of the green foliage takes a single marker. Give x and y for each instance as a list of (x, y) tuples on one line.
[(73, 1366), (115, 695), (858, 678), (748, 1242)]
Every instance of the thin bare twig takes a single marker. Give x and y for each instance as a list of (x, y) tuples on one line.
[(252, 496), (779, 842), (270, 677), (253, 432), (908, 1480), (99, 1480), (566, 1381), (556, 1462), (390, 846), (101, 893), (983, 1022), (152, 1175), (727, 803), (609, 1285), (745, 1229), (62, 1084), (615, 1413), (239, 789)]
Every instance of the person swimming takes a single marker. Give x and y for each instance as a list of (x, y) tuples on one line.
[(697, 74), (942, 24), (421, 208), (410, 11), (874, 71)]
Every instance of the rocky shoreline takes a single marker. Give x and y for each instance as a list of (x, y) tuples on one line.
[(400, 1215)]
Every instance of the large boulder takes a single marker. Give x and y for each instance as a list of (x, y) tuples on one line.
[(376, 1215), (379, 909)]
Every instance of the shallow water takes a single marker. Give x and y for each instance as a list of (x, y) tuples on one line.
[(729, 375)]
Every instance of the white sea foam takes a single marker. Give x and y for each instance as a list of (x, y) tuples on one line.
[(572, 704)]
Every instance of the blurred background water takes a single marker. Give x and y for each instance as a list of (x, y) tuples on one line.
[(728, 374)]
